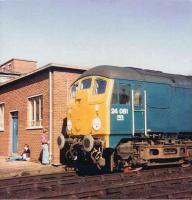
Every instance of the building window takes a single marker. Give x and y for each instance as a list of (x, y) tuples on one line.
[(2, 106), (35, 114), (9, 67), (3, 69)]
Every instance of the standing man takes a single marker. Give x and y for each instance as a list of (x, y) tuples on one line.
[(45, 148)]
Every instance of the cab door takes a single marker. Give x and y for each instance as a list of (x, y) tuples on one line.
[(120, 112), (139, 115)]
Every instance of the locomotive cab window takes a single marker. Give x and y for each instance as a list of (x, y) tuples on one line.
[(121, 94), (137, 97), (85, 84), (115, 94), (74, 89), (100, 86), (124, 94)]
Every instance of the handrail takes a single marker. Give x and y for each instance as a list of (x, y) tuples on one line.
[(145, 112), (133, 113)]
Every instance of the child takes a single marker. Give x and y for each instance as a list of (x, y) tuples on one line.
[(24, 156), (26, 153)]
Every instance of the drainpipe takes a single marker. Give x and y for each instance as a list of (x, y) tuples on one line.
[(67, 92), (50, 113)]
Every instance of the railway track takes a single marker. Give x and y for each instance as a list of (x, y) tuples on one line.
[(156, 183)]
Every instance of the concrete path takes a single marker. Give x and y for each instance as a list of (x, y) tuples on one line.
[(25, 168)]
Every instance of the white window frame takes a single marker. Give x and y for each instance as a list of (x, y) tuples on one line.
[(2, 116), (32, 123)]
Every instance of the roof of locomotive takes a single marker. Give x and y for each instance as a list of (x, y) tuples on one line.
[(131, 73)]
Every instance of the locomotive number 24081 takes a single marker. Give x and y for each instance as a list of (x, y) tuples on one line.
[(122, 111)]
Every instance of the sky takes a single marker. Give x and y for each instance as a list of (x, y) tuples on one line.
[(149, 34)]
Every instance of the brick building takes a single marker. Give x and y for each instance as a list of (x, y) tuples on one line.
[(14, 68), (34, 100), (18, 66)]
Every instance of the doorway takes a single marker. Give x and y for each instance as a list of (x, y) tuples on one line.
[(14, 116)]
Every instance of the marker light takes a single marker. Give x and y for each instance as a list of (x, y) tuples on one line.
[(96, 123)]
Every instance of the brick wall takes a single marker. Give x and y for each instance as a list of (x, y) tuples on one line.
[(15, 96), (61, 84), (22, 66)]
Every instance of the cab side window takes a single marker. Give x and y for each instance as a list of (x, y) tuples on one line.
[(124, 94), (86, 83), (115, 94), (137, 97), (121, 94), (100, 86), (74, 89)]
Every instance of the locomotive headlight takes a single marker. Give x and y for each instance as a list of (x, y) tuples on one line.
[(69, 125), (96, 123)]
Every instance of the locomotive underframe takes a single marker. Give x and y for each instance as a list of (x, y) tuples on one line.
[(153, 152), (129, 152)]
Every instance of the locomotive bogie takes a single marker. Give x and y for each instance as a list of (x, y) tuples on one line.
[(145, 153), (85, 149)]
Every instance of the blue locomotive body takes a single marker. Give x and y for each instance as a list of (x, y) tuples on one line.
[(168, 110)]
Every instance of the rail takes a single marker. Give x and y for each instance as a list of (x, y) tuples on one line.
[(156, 183)]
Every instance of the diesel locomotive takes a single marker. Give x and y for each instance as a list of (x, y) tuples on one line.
[(122, 117)]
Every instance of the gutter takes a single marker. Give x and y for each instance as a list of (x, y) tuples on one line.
[(50, 114)]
